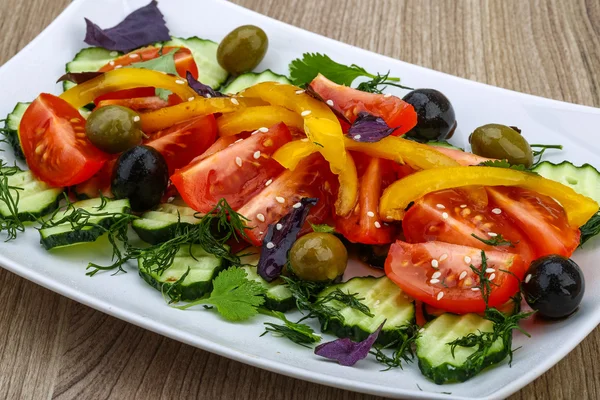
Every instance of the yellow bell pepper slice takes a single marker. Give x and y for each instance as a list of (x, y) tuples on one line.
[(290, 154), (397, 196), (125, 78), (417, 155), (320, 123), (250, 119)]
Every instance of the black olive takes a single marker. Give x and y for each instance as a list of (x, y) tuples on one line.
[(554, 286), (374, 255), (141, 175), (435, 115)]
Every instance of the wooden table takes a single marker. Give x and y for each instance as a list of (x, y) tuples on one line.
[(54, 347)]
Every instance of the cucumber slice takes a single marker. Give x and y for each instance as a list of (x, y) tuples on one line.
[(435, 357), (205, 55), (248, 79), (278, 296), (36, 198), (584, 180), (509, 308), (159, 225), (64, 235), (90, 59), (203, 268), (11, 129), (385, 300)]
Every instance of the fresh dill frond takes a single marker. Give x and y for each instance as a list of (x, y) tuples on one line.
[(9, 198), (402, 348), (496, 241), (372, 86), (298, 333)]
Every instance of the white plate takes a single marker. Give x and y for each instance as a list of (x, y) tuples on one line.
[(36, 68)]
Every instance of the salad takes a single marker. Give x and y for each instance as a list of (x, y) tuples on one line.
[(247, 193)]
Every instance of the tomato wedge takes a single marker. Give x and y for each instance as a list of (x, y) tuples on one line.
[(412, 268), (449, 216), (235, 173), (184, 60), (349, 102), (55, 145), (183, 142), (139, 104), (363, 224), (311, 178), (541, 219), (462, 157)]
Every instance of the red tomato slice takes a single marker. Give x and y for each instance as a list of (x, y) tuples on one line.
[(183, 142), (55, 145), (139, 104), (363, 224), (410, 267), (448, 216), (541, 218), (462, 157), (311, 178), (126, 94), (184, 60), (235, 173), (349, 102)]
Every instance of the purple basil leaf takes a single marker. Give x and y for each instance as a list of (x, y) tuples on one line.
[(369, 128), (278, 242), (79, 77), (142, 27), (345, 351), (200, 88)]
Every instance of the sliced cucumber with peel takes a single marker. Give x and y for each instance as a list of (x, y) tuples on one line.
[(90, 59), (160, 224), (584, 180), (248, 79), (11, 129)]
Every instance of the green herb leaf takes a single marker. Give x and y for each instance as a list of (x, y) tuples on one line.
[(506, 164), (402, 348), (234, 296), (372, 86), (495, 241), (298, 333), (322, 228), (164, 63), (9, 200), (540, 153), (304, 70), (590, 229)]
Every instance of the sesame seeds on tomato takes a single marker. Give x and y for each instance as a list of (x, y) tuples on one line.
[(435, 263), (462, 275), (436, 275), (440, 295), (467, 260), (492, 234), (263, 129), (490, 270), (329, 103), (297, 205), (440, 206), (370, 214), (280, 199), (377, 224), (238, 161), (445, 215), (256, 155), (434, 281), (260, 217), (443, 257), (267, 183), (497, 211)]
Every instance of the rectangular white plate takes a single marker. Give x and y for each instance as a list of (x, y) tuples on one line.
[(36, 68)]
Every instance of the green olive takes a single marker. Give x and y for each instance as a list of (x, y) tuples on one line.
[(501, 142), (318, 257), (114, 129), (242, 49)]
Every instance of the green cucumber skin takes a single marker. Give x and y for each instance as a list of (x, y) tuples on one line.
[(29, 216), (279, 305), (11, 129), (157, 236), (447, 373), (357, 334)]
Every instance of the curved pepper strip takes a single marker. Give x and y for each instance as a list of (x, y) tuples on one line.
[(125, 78), (250, 119), (397, 196), (290, 154), (416, 155)]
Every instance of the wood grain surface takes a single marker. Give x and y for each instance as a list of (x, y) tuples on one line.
[(52, 347)]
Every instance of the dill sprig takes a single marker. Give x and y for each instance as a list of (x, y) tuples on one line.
[(297, 332), (540, 153), (402, 348), (372, 86), (496, 241), (9, 197)]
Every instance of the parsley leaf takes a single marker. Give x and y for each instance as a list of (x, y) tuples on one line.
[(164, 63), (506, 164), (322, 228), (234, 296)]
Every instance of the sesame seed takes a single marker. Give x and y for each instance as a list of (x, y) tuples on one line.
[(436, 274), (443, 257), (114, 53), (497, 211), (370, 214), (270, 245), (440, 206), (434, 281), (305, 113), (238, 161), (387, 95), (377, 224), (463, 206), (356, 137), (239, 140), (297, 205), (440, 295), (263, 129), (191, 98), (260, 217), (462, 275), (490, 270), (256, 155), (329, 103), (180, 82), (134, 55), (234, 101), (267, 183), (170, 199), (299, 91), (111, 63), (279, 227), (208, 95), (421, 330), (492, 276), (280, 199), (445, 215), (492, 234), (261, 233), (527, 278), (254, 133), (475, 289), (435, 264), (467, 260), (118, 66), (304, 140), (136, 118)]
